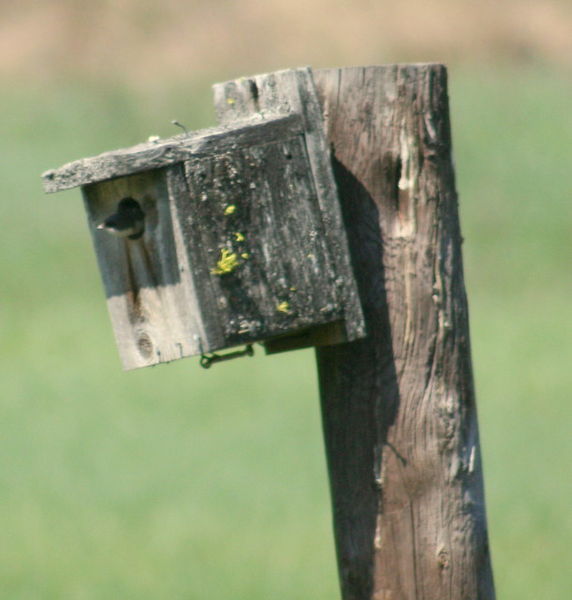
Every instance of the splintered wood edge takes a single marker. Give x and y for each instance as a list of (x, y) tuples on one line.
[(161, 153)]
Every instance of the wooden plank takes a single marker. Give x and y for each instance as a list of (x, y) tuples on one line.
[(152, 307), (260, 256), (294, 91), (161, 153), (399, 411)]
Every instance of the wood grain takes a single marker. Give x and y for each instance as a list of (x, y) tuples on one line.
[(294, 91), (399, 410), (150, 297), (282, 278)]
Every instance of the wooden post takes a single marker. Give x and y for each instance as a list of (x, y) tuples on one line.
[(399, 411)]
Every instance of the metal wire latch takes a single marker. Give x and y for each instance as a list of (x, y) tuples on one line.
[(209, 359)]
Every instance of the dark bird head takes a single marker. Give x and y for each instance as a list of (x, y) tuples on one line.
[(128, 221)]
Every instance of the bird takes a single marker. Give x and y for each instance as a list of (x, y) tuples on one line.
[(127, 222)]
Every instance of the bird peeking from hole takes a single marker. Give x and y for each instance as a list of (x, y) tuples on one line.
[(127, 222)]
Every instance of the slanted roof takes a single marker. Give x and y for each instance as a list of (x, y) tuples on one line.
[(163, 152)]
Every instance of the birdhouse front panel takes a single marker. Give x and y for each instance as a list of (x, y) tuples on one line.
[(147, 282)]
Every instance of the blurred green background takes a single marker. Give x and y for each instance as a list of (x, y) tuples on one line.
[(175, 482)]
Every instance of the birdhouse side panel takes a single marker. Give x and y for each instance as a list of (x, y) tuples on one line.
[(294, 90), (147, 292), (256, 241)]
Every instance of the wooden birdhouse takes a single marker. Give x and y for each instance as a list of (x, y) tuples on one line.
[(223, 237)]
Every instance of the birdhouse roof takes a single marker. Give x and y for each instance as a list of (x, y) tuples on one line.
[(157, 153)]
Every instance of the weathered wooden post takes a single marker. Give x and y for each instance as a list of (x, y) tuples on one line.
[(399, 411), (235, 235)]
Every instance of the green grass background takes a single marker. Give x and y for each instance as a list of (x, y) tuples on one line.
[(180, 483)]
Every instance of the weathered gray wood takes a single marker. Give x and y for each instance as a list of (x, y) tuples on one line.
[(399, 411), (161, 153), (294, 91), (150, 297), (280, 272)]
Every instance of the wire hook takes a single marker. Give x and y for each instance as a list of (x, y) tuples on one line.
[(207, 360)]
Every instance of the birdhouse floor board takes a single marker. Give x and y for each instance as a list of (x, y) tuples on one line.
[(321, 335)]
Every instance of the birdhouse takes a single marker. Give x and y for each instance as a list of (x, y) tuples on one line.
[(222, 237)]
